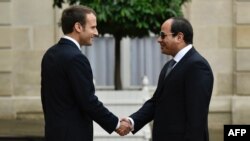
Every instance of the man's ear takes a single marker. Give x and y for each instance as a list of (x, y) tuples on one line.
[(180, 36), (78, 27)]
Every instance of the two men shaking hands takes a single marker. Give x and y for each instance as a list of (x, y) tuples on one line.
[(126, 126), (179, 106)]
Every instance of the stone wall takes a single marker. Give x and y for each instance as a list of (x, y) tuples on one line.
[(241, 99), (222, 35), (29, 27), (213, 37)]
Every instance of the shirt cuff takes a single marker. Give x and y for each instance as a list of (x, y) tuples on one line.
[(132, 123), (118, 124)]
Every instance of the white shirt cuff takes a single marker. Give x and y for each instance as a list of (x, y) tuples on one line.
[(118, 124), (132, 122)]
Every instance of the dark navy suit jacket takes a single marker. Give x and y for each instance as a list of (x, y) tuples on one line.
[(180, 104), (68, 95)]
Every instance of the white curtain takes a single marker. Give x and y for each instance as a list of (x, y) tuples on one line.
[(101, 57), (145, 59)]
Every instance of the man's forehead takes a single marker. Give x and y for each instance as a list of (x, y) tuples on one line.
[(167, 24), (91, 19), (90, 16)]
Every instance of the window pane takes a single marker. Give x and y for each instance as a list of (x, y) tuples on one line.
[(146, 59), (101, 57)]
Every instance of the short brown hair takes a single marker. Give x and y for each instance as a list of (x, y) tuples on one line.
[(73, 14)]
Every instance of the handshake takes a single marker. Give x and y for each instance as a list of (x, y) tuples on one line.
[(125, 127)]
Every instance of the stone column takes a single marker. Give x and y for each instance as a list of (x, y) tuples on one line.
[(241, 99), (6, 88)]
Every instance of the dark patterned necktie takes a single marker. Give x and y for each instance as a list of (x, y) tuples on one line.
[(170, 67)]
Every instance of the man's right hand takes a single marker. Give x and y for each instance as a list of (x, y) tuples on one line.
[(125, 127)]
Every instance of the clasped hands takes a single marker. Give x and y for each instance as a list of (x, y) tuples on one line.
[(125, 127)]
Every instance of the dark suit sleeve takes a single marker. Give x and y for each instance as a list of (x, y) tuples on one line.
[(81, 78), (199, 83), (144, 114)]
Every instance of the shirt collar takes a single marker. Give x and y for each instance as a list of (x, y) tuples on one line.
[(182, 52), (73, 40)]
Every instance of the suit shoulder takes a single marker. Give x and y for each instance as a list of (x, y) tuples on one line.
[(197, 57), (196, 60), (63, 54)]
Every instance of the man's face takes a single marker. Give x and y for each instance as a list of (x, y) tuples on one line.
[(89, 31), (166, 39)]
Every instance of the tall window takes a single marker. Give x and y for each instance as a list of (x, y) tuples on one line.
[(101, 57), (145, 59)]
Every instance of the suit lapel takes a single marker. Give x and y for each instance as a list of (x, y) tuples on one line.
[(162, 75), (179, 65)]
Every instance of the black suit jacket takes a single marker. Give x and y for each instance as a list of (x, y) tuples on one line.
[(68, 96), (180, 104)]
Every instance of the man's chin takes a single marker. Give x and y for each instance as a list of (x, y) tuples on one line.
[(88, 44), (164, 52)]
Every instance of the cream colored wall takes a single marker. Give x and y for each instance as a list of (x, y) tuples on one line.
[(221, 34), (27, 29), (213, 37), (241, 101)]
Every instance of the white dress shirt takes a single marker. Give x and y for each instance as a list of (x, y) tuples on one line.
[(181, 54), (73, 40)]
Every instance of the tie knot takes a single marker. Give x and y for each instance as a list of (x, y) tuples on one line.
[(171, 63), (170, 66)]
